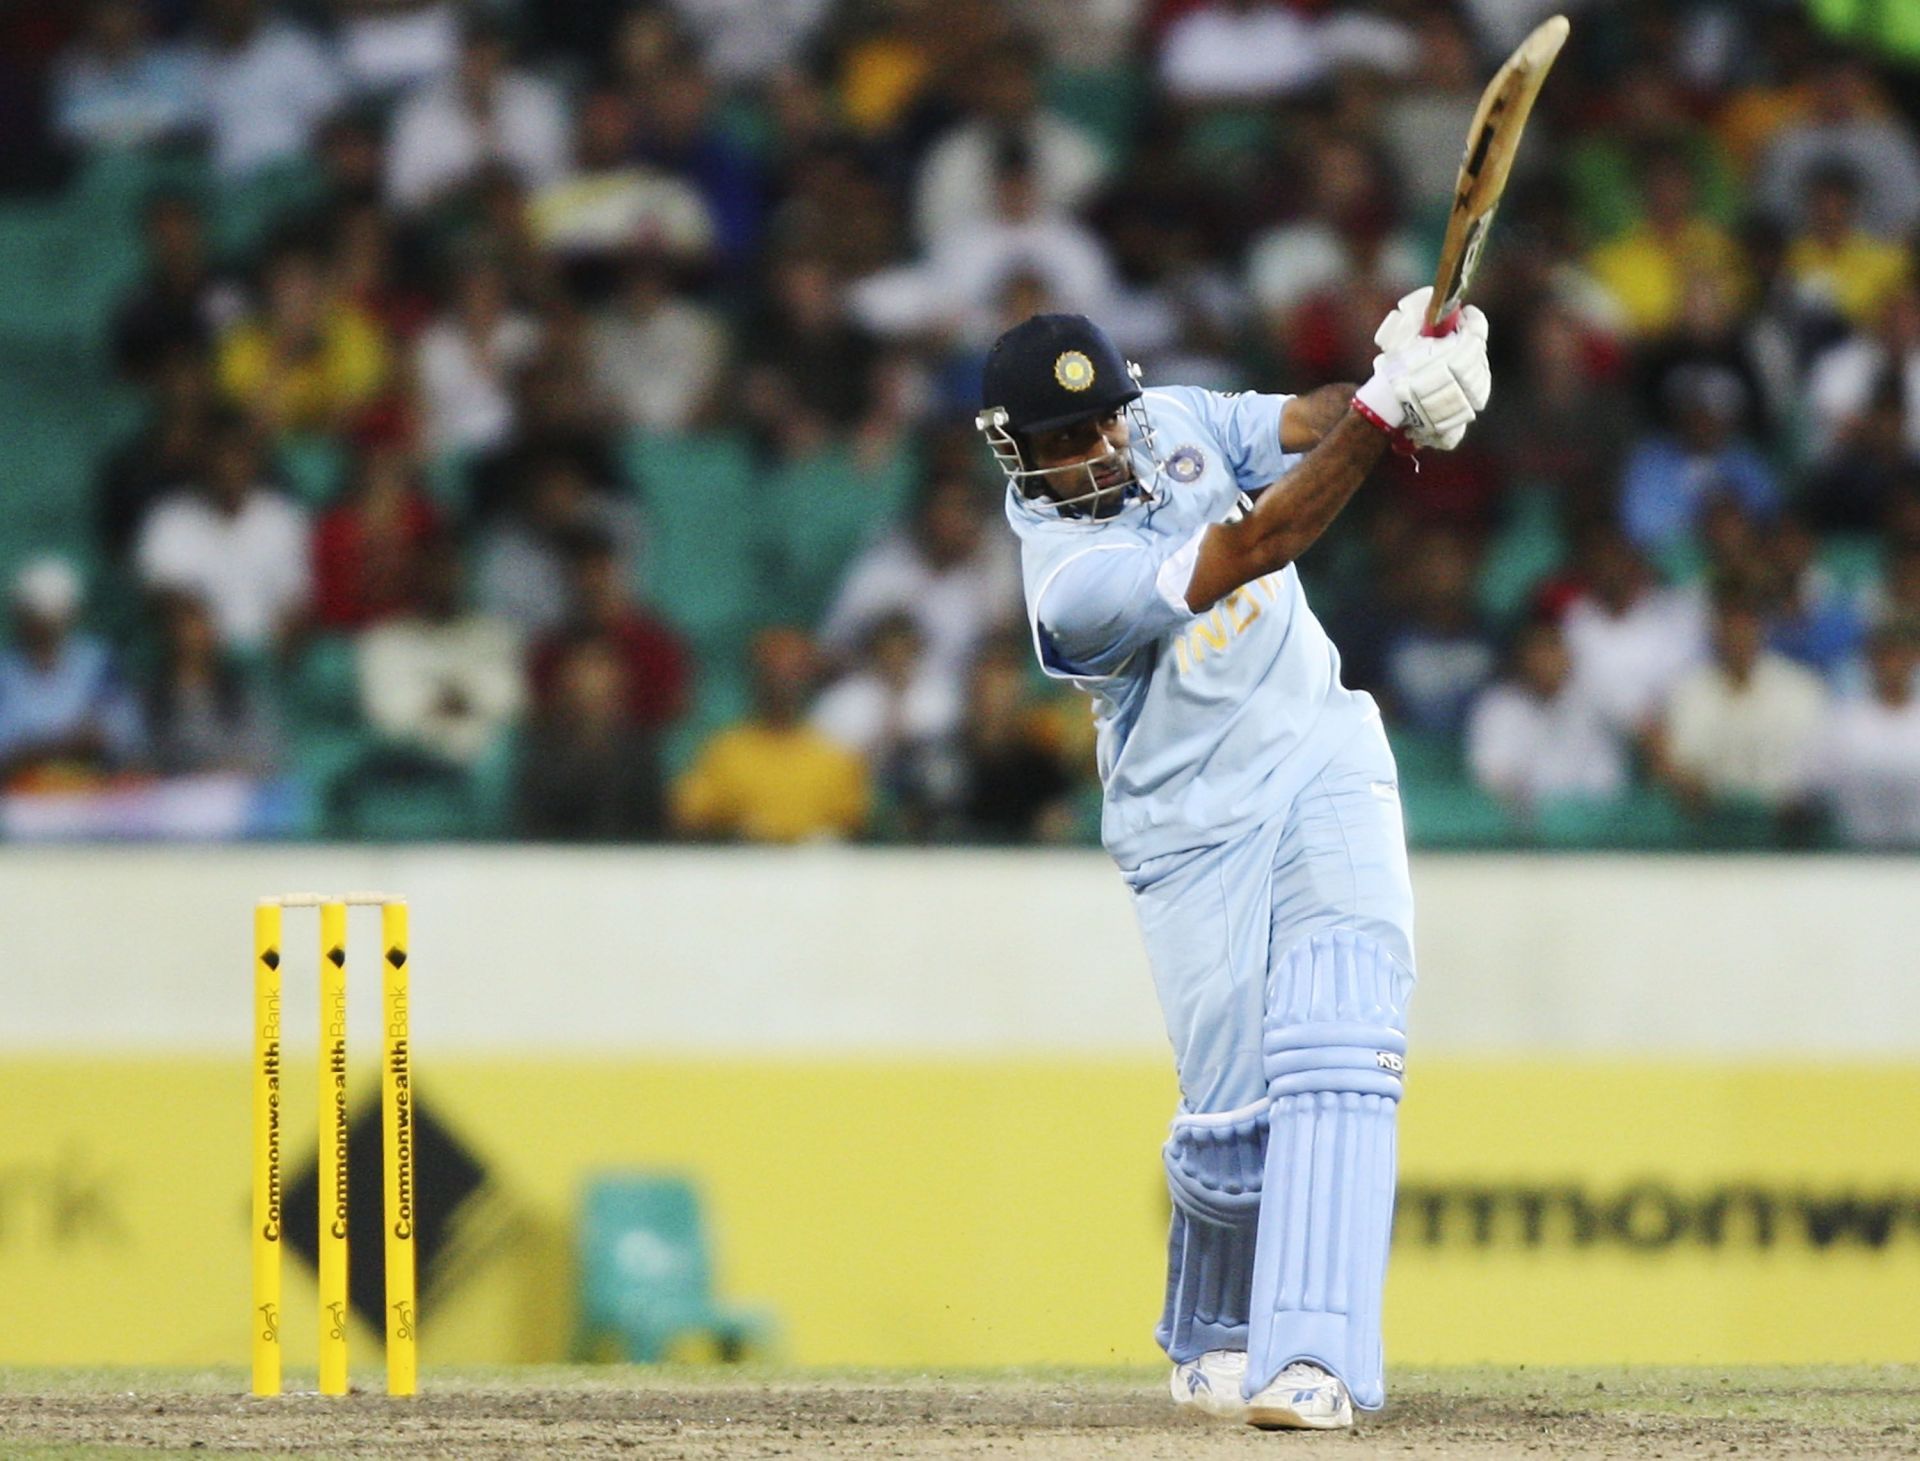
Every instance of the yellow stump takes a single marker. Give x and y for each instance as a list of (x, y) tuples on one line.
[(266, 1149), (396, 1111), (333, 1149)]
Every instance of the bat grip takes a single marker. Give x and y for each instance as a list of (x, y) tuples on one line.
[(1444, 325)]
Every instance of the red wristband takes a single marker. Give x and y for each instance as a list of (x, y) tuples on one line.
[(1396, 436)]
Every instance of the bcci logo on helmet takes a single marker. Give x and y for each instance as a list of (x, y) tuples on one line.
[(1073, 370)]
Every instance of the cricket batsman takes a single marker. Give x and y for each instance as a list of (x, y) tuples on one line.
[(1252, 805)]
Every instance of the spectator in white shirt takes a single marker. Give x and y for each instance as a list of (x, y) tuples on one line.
[(1421, 119), (1002, 94), (466, 361), (1503, 24), (1844, 379), (893, 708), (391, 46), (1240, 50), (63, 703), (482, 115), (446, 680), (116, 89), (954, 577), (236, 544), (1849, 124), (657, 355), (1742, 728), (1536, 737), (1347, 232), (1630, 638), (1868, 767), (522, 561), (266, 84), (748, 40), (959, 287)]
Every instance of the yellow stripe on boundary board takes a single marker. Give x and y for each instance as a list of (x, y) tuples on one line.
[(978, 1212)]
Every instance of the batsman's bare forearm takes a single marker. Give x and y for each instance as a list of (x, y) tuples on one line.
[(1289, 516), (1306, 420)]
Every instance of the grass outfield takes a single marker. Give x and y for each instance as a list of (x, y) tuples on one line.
[(698, 1414)]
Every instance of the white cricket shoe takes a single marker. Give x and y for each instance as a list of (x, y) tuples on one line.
[(1211, 1383), (1302, 1397)]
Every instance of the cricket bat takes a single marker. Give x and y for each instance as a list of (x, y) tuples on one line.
[(1492, 141)]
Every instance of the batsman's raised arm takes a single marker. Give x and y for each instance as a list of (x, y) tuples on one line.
[(1307, 419), (1425, 389)]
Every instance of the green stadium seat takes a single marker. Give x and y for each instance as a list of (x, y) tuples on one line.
[(1423, 756), (314, 468), (246, 215), (701, 564), (38, 257), (448, 479), (112, 189), (396, 795), (1453, 813), (323, 686), (1682, 561), (819, 514), (1738, 826), (1105, 100), (1853, 560), (491, 781), (722, 694), (1642, 819), (1528, 546), (646, 1274)]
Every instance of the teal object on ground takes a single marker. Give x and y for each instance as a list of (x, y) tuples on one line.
[(646, 1273)]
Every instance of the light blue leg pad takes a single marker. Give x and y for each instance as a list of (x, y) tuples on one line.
[(1335, 1048), (1214, 1164)]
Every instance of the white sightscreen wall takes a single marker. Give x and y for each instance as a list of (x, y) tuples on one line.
[(819, 951)]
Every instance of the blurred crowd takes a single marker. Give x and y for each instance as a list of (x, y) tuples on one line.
[(583, 431)]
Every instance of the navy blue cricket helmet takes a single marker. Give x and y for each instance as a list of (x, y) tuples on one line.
[(1047, 372), (1053, 370)]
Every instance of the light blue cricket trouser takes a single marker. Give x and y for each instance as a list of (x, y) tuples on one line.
[(1283, 961), (1218, 921)]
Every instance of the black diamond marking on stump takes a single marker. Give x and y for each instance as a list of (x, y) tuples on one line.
[(337, 956), (397, 957), (271, 958)]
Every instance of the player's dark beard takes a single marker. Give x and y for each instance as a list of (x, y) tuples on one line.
[(1110, 476)]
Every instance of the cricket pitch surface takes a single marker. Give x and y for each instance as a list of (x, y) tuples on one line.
[(713, 1414)]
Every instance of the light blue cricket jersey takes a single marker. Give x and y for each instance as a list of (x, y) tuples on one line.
[(1209, 724)]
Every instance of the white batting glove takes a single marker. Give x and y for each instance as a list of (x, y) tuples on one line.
[(1427, 389), (1404, 324), (1408, 321)]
